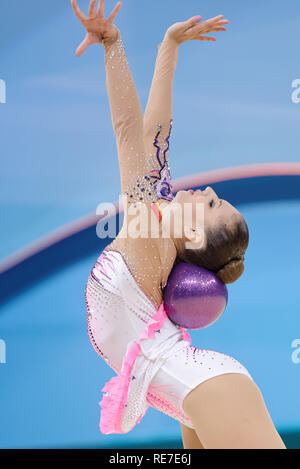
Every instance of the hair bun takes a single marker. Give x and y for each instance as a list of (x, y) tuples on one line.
[(232, 270)]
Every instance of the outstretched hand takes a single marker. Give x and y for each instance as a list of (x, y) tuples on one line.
[(99, 29), (194, 29)]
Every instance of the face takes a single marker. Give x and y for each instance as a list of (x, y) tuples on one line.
[(199, 211)]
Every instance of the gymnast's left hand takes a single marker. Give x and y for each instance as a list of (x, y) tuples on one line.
[(99, 29), (195, 29)]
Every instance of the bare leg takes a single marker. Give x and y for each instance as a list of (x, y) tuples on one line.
[(228, 411), (190, 439)]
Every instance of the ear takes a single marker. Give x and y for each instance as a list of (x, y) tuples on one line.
[(189, 233), (195, 239)]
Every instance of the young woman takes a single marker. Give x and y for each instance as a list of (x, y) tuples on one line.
[(212, 395)]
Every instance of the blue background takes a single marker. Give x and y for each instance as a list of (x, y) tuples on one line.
[(232, 106)]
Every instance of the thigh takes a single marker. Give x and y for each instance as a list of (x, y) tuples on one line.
[(228, 411), (190, 438), (183, 372)]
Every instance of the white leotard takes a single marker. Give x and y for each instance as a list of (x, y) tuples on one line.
[(169, 367)]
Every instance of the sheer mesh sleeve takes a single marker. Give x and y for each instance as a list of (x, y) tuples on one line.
[(142, 143), (127, 120)]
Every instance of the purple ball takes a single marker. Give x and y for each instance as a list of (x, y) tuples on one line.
[(194, 298)]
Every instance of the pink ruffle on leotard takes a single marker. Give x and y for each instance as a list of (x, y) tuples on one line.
[(114, 402)]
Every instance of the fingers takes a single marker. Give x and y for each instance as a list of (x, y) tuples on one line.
[(197, 28), (208, 27), (217, 29), (92, 8), (114, 13), (214, 19), (77, 11), (100, 11), (192, 22), (212, 24), (211, 30), (222, 22), (206, 38), (82, 47)]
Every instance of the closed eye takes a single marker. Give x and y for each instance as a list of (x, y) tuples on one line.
[(212, 203)]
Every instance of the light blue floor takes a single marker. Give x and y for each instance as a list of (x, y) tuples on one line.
[(51, 383)]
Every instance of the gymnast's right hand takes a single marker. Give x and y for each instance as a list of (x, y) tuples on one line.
[(99, 30)]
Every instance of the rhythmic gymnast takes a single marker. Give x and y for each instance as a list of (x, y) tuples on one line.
[(211, 395)]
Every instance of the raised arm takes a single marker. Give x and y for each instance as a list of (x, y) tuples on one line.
[(127, 119), (158, 113), (141, 175), (125, 107)]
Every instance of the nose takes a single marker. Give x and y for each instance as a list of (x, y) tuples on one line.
[(209, 190)]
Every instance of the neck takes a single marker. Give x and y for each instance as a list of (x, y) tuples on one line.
[(167, 246), (176, 242)]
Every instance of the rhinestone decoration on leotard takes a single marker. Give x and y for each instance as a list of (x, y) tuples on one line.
[(161, 177), (91, 292), (210, 358), (142, 190), (157, 183)]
